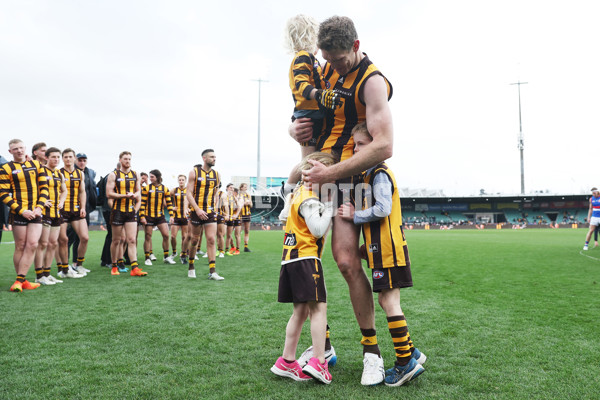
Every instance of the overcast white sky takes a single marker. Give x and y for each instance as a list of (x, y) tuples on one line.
[(167, 79)]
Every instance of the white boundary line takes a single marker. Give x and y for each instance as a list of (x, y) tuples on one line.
[(8, 242), (585, 255)]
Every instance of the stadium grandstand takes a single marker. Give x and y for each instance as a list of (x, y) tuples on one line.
[(425, 208)]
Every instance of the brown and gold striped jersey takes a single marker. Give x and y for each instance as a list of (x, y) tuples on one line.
[(23, 186), (384, 239), (205, 187), (178, 198), (55, 180), (124, 183), (245, 208), (336, 138), (232, 202), (221, 203), (154, 198), (298, 242), (74, 183), (305, 75)]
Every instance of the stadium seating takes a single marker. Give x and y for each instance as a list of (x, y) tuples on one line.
[(512, 216), (457, 216)]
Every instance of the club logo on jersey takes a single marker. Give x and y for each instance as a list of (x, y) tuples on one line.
[(200, 179), (120, 179), (373, 248), (17, 171), (289, 239), (377, 274)]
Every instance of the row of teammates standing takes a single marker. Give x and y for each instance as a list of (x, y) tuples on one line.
[(50, 206), (197, 207)]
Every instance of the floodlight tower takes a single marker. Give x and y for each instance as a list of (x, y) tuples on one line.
[(260, 81), (521, 144)]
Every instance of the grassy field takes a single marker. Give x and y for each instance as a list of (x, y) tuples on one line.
[(500, 314)]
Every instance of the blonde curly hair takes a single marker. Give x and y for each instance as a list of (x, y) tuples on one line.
[(301, 33)]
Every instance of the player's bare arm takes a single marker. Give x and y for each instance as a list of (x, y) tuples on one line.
[(82, 202), (190, 195), (63, 194), (137, 195), (110, 188)]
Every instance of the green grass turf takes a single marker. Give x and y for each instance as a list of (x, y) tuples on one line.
[(500, 314)]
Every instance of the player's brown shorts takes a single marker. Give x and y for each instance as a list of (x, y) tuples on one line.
[(179, 221), (302, 281), (221, 219), (389, 278), (70, 216), (235, 222), (52, 221), (120, 218), (155, 221), (19, 220), (196, 221), (246, 218)]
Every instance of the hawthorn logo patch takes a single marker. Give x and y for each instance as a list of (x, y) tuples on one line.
[(373, 248), (289, 239), (316, 277), (377, 274)]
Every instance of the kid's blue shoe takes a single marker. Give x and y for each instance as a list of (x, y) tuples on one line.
[(418, 356), (398, 375)]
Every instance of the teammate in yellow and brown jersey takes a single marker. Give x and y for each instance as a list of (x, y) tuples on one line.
[(246, 200), (155, 198), (180, 213), (24, 189), (202, 190), (378, 212), (365, 93), (73, 213), (123, 187), (52, 221), (301, 279)]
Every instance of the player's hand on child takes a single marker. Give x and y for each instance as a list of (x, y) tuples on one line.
[(301, 130), (318, 174), (328, 99), (346, 211)]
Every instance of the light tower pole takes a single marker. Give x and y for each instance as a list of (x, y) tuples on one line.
[(521, 145), (260, 81)]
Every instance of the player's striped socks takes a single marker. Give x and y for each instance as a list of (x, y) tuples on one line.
[(399, 331), (211, 267), (39, 272), (166, 253), (134, 265), (80, 261), (147, 255), (327, 341), (46, 271), (369, 341), (21, 278), (191, 264)]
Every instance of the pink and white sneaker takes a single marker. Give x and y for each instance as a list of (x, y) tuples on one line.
[(318, 371), (289, 370)]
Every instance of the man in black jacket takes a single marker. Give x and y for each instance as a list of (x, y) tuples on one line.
[(90, 191)]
